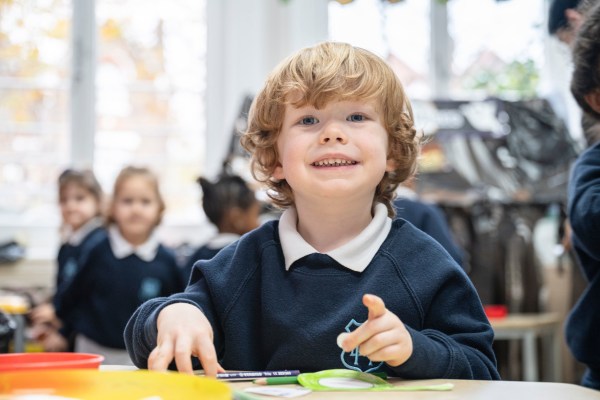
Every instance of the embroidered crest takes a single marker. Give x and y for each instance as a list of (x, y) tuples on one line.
[(69, 270), (354, 360), (149, 289)]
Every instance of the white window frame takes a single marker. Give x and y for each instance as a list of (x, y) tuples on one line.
[(83, 87)]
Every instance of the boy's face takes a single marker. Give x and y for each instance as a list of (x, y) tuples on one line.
[(336, 153), (77, 205)]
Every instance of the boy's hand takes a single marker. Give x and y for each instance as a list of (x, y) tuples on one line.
[(183, 331), (383, 337)]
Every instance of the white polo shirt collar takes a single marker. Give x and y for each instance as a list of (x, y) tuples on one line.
[(354, 255), (122, 248), (75, 237), (222, 240)]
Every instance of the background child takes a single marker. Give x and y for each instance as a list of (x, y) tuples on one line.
[(80, 200), (232, 207), (585, 83), (125, 269), (583, 323), (332, 135), (428, 217)]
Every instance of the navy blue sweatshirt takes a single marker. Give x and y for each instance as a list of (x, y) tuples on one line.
[(71, 257), (202, 253), (265, 317), (106, 291), (583, 324)]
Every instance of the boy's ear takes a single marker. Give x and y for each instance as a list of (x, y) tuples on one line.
[(278, 172), (593, 100), (390, 165)]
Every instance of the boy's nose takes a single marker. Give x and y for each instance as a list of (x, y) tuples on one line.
[(333, 132)]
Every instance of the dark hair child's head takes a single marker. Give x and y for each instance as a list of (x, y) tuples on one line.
[(227, 192), (585, 84)]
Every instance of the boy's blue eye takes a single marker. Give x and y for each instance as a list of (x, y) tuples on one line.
[(308, 121), (356, 118)]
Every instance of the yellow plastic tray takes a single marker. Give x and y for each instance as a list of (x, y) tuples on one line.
[(111, 385), (13, 304)]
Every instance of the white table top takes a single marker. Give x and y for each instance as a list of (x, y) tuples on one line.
[(463, 390)]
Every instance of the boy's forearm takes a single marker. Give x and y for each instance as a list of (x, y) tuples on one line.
[(140, 332), (436, 355)]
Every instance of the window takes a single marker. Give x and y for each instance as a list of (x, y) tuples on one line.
[(506, 55), (151, 75), (34, 105), (148, 99), (492, 47), (396, 32)]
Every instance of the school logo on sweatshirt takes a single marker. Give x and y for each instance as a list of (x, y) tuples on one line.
[(69, 269), (149, 289), (355, 361)]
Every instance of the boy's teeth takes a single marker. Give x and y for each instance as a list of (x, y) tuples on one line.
[(334, 162)]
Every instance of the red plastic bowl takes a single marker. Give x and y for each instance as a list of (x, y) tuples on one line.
[(496, 310), (35, 361)]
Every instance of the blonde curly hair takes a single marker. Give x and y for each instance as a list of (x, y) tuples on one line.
[(330, 71)]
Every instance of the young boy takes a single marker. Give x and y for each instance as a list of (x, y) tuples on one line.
[(332, 136), (583, 323)]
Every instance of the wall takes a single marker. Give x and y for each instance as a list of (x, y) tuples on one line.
[(246, 40)]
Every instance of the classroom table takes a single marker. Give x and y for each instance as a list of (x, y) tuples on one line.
[(463, 390), (527, 328)]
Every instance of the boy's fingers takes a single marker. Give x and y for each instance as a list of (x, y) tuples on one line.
[(208, 357), (183, 356), (161, 357), (364, 332), (375, 305)]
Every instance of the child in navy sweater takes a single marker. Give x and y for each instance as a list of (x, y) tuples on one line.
[(80, 201), (122, 271), (231, 206), (583, 323), (332, 135)]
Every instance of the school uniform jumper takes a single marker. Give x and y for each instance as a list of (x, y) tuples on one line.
[(73, 253), (112, 283), (583, 323), (276, 303)]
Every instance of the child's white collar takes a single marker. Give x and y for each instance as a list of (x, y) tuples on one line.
[(354, 255), (122, 248), (406, 193), (75, 237), (222, 240)]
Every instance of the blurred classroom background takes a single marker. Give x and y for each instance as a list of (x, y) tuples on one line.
[(102, 84)]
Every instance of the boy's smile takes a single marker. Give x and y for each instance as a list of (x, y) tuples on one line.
[(339, 161)]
